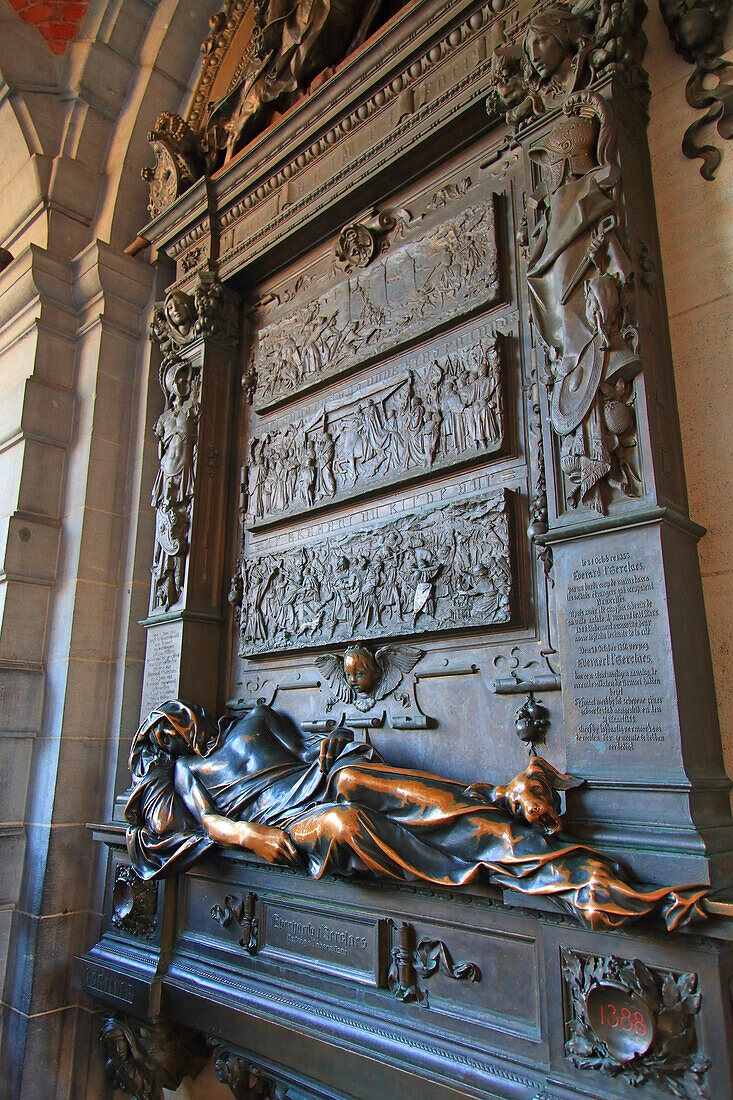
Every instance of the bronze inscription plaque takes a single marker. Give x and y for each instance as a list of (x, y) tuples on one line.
[(162, 665), (319, 938), (617, 660)]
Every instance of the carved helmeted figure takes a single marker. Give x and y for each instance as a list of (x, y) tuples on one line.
[(334, 807), (576, 272)]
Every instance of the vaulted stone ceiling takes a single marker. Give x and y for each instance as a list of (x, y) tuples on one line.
[(58, 23)]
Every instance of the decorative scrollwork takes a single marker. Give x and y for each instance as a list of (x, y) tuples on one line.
[(696, 28), (433, 957), (177, 163), (428, 958), (242, 912), (134, 903)]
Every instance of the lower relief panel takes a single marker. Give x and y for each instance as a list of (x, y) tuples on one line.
[(426, 570)]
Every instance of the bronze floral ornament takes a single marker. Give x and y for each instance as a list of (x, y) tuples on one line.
[(333, 806)]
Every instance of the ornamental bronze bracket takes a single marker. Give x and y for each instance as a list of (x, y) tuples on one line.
[(242, 912), (696, 29), (429, 957)]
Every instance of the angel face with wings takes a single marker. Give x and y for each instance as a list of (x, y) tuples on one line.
[(361, 678)]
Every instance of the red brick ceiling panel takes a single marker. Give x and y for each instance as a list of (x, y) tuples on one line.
[(58, 22)]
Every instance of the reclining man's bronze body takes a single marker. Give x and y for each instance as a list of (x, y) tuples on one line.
[(333, 806)]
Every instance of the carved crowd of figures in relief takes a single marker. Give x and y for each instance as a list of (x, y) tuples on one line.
[(428, 416), (424, 571), (431, 278), (579, 269)]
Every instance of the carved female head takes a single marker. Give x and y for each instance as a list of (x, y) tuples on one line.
[(179, 314), (554, 39)]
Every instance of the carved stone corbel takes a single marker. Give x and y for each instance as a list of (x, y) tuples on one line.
[(245, 1080), (696, 29), (143, 1057)]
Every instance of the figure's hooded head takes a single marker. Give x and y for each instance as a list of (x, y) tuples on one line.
[(173, 729)]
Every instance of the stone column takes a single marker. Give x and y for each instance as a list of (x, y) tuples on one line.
[(70, 362)]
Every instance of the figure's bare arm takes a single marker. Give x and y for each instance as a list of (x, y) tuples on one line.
[(274, 845)]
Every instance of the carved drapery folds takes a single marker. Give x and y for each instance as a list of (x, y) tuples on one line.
[(179, 324), (143, 1057), (259, 57), (696, 28), (579, 270)]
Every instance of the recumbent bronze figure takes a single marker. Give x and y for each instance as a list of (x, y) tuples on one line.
[(333, 806)]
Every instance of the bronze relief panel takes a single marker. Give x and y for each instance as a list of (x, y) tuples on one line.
[(424, 571), (435, 275), (421, 412)]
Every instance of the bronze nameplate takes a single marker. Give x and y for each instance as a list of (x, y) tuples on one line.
[(347, 947), (111, 987), (433, 277)]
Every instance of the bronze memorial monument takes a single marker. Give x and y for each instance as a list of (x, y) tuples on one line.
[(419, 511)]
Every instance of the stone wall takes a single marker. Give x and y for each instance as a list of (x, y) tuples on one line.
[(696, 233)]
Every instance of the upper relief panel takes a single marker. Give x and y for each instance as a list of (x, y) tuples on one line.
[(440, 272)]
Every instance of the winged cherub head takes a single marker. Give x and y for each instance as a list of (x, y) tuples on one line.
[(361, 677), (361, 671)]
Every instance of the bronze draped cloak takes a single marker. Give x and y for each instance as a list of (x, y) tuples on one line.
[(357, 819)]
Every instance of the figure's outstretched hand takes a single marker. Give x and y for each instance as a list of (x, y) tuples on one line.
[(271, 844), (331, 749)]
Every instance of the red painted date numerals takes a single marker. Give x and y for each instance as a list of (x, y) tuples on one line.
[(613, 1016), (621, 1019)]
